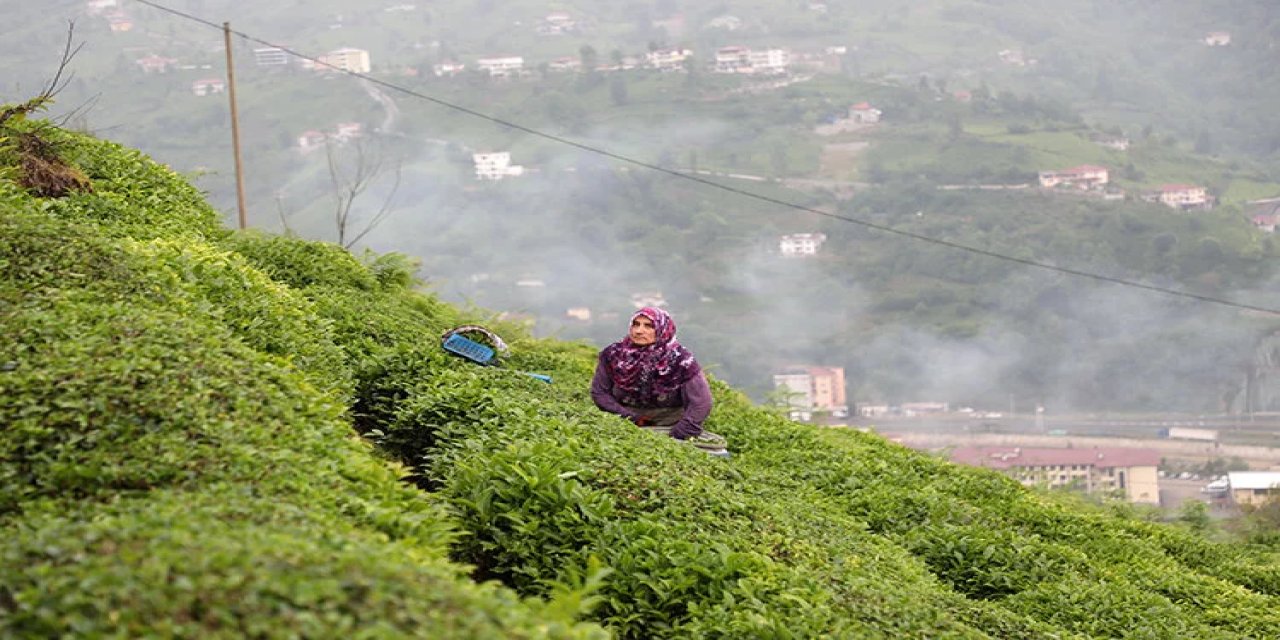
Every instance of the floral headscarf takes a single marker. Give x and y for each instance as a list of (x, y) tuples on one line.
[(648, 375)]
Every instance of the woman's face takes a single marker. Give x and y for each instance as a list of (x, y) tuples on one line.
[(642, 331)]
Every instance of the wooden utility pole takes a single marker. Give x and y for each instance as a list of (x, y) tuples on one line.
[(235, 123)]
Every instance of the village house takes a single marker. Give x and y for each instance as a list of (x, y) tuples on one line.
[(501, 67), (811, 390), (868, 410), (1094, 470), (769, 61), (1264, 214), (270, 57), (667, 59), (726, 22), (449, 69), (738, 59), (1085, 176), (495, 166), (1183, 196), (962, 95), (347, 59), (1253, 487), (1119, 143), (208, 86), (119, 22), (801, 244), (97, 7), (864, 113), (581, 314), (1217, 38), (565, 64), (346, 131), (311, 140), (155, 64), (733, 59), (557, 23), (644, 299)]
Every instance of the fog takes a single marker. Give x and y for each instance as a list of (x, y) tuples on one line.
[(588, 223)]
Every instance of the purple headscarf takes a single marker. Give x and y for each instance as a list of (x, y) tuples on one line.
[(648, 375)]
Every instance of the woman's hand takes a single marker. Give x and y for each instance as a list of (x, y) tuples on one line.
[(642, 421)]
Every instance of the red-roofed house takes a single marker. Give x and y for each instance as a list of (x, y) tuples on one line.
[(1265, 214), (1097, 469), (864, 113), (1085, 176), (208, 86), (155, 64)]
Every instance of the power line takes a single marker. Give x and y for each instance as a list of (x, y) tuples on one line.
[(723, 187)]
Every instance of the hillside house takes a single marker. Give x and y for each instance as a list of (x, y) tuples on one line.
[(501, 67), (1093, 470), (155, 64), (1217, 39), (1184, 197), (1119, 143), (963, 95), (495, 166), (98, 7), (119, 22), (347, 59), (448, 69), (567, 64), (311, 140), (557, 23), (1264, 214), (811, 390), (208, 86), (344, 132), (644, 299), (270, 57), (1085, 176), (581, 314), (769, 61), (733, 59), (1013, 57), (1253, 487), (667, 59), (801, 244), (726, 22), (864, 113)]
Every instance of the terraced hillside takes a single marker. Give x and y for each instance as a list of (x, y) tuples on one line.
[(222, 434)]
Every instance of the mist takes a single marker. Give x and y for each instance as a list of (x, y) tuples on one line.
[(589, 223)]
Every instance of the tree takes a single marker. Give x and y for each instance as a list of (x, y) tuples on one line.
[(618, 90), (348, 185)]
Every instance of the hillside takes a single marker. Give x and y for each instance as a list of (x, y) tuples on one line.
[(221, 434)]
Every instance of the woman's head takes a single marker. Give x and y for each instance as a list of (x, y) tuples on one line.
[(651, 325)]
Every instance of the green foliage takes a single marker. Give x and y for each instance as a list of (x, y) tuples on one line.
[(182, 456)]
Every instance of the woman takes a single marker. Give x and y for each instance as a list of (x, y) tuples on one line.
[(653, 381)]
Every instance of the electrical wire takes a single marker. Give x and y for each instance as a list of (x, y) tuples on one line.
[(728, 188)]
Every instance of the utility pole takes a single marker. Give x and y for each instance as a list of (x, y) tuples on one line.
[(235, 124)]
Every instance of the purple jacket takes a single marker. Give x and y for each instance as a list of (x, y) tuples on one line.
[(694, 395)]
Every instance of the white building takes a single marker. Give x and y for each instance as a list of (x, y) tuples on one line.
[(501, 67), (495, 166), (208, 86), (667, 59), (813, 389), (1085, 176), (1217, 38), (769, 61), (644, 299), (801, 244), (270, 57), (864, 113), (1184, 196), (348, 59), (448, 69), (733, 60)]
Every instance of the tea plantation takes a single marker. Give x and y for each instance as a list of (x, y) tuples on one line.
[(208, 433)]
